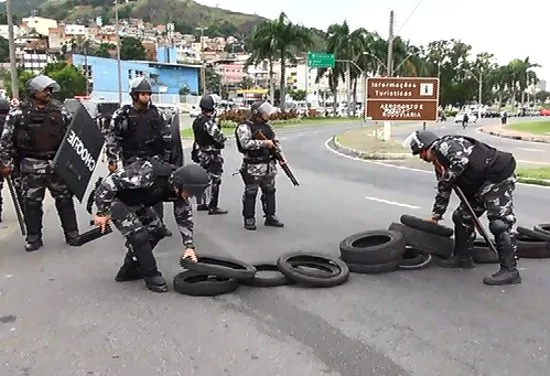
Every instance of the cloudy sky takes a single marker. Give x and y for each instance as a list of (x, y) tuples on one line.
[(519, 29)]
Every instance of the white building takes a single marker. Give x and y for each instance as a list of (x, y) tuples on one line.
[(73, 30)]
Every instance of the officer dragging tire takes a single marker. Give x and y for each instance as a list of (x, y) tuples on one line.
[(487, 178), (32, 135), (209, 142)]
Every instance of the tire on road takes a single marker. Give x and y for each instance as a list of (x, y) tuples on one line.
[(288, 263), (373, 247), (533, 234), (422, 225), (482, 254), (415, 259), (316, 269), (388, 266), (220, 266), (542, 227), (434, 244), (192, 283), (260, 281), (532, 248)]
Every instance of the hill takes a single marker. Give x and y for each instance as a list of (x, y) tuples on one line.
[(186, 15)]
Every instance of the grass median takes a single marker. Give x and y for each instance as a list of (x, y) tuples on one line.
[(538, 176), (535, 127), (228, 128), (365, 142)]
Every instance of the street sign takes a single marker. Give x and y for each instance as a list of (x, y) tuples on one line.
[(402, 98), (320, 60)]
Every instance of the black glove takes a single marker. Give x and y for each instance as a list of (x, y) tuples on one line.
[(448, 178)]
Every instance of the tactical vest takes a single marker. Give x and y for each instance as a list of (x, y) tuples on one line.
[(486, 164), (159, 191), (202, 137), (141, 133), (259, 155), (40, 133)]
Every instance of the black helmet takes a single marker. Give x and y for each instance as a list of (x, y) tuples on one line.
[(140, 85), (4, 105), (191, 178), (209, 102), (422, 140)]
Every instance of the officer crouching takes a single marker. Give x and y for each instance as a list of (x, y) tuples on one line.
[(33, 132), (209, 140), (127, 197), (259, 168)]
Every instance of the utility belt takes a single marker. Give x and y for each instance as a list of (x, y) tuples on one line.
[(47, 156), (265, 160)]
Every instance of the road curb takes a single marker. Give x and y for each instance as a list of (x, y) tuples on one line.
[(335, 145), (498, 131), (532, 181)]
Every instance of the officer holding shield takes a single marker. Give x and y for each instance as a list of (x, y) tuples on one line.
[(32, 134)]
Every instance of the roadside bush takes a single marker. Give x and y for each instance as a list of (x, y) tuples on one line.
[(451, 113), (239, 116)]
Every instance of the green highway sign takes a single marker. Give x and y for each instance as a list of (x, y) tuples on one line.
[(320, 60)]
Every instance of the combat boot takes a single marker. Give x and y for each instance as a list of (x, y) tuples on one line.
[(213, 208), (166, 232), (508, 273), (250, 224), (462, 255), (33, 222), (129, 271), (67, 216), (140, 244), (249, 209), (156, 283), (268, 205)]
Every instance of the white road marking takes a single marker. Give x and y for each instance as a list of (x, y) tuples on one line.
[(391, 202), (382, 164), (529, 149), (533, 162)]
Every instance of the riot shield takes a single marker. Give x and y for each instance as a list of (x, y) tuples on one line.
[(77, 157), (177, 146)]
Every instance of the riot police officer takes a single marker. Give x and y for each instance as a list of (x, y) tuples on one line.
[(136, 132), (259, 168), (4, 109), (33, 133), (127, 198), (209, 140)]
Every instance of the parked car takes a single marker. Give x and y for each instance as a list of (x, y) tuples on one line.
[(472, 118)]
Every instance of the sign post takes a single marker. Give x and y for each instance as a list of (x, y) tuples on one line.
[(320, 60), (402, 99)]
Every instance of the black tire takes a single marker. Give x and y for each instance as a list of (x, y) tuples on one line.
[(434, 244), (196, 284), (317, 269), (422, 225), (259, 281), (220, 266), (539, 235), (415, 259), (482, 254), (542, 227), (385, 267), (532, 248), (373, 247), (287, 265)]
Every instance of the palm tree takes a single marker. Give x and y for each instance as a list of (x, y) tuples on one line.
[(261, 46)]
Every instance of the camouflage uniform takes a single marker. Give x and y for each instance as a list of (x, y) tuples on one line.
[(258, 171), (486, 176), (136, 134), (128, 196), (35, 167), (209, 140)]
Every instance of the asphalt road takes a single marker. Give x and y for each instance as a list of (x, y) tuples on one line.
[(62, 313)]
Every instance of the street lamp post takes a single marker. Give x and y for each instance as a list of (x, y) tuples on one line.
[(479, 79), (13, 66), (203, 61), (119, 68)]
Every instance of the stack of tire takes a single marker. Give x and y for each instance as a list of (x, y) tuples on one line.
[(216, 275), (380, 251)]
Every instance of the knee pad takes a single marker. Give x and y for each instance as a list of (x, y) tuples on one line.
[(138, 238), (498, 226), (458, 219), (250, 193), (269, 190)]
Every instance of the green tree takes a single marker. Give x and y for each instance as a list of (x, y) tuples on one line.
[(4, 50), (213, 80), (22, 76), (246, 83), (71, 81), (131, 49), (298, 95)]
